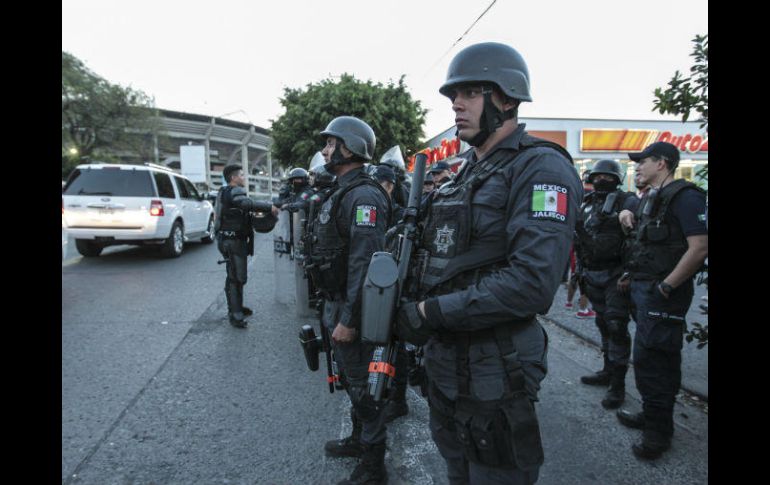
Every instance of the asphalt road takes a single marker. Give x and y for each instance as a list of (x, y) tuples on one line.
[(157, 388)]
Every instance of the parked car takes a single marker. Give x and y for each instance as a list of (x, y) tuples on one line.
[(109, 204)]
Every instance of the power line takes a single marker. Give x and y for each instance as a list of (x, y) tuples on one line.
[(460, 38)]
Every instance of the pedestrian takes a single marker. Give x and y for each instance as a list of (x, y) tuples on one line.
[(599, 242), (350, 227), (576, 284), (494, 243), (669, 246), (235, 238)]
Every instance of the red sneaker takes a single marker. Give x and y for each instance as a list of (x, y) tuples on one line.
[(587, 313), (568, 305)]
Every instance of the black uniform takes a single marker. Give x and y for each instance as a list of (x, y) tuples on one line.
[(664, 221), (598, 247), (493, 247), (349, 228), (235, 240)]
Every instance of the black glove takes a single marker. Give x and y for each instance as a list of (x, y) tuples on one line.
[(411, 326)]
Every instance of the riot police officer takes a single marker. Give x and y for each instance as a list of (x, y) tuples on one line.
[(669, 246), (235, 238), (300, 190), (598, 245), (349, 228), (493, 246)]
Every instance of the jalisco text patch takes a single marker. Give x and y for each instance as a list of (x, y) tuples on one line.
[(549, 201), (366, 215)]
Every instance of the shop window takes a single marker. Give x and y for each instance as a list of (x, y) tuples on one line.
[(684, 172)]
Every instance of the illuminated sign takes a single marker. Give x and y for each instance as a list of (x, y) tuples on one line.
[(622, 140)]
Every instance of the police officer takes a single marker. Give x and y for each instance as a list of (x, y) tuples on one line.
[(300, 190), (598, 244), (669, 245), (441, 173), (235, 238), (386, 177), (349, 228), (494, 243)]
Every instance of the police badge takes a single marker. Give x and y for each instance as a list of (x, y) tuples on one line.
[(444, 239)]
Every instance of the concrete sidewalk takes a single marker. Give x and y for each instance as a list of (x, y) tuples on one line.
[(694, 360)]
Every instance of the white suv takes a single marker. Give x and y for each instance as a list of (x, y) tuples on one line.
[(108, 204)]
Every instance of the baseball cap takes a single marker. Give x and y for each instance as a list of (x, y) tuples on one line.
[(439, 166), (657, 149)]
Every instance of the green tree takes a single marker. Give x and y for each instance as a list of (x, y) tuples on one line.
[(683, 96), (99, 118), (389, 109)]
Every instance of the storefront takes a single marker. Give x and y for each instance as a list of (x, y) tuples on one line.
[(590, 140)]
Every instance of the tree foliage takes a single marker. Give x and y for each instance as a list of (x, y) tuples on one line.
[(98, 117), (389, 109), (687, 94), (682, 97)]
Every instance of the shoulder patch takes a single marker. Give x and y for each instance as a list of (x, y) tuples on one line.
[(549, 201), (366, 215)]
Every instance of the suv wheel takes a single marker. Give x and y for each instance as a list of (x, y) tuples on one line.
[(88, 249), (209, 237), (174, 245)]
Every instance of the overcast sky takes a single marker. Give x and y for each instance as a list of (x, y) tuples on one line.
[(587, 59)]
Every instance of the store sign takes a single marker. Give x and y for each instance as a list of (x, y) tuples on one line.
[(621, 140), (446, 149)]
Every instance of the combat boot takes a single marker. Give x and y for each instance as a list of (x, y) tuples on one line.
[(396, 405), (599, 378), (631, 420), (653, 445), (616, 393), (371, 470), (350, 446)]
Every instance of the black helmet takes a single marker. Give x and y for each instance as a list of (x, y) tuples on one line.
[(608, 167), (490, 62), (262, 221), (298, 173), (357, 136)]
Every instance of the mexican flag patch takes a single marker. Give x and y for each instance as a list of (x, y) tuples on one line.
[(366, 215), (549, 202)]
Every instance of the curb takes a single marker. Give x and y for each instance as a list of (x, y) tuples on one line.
[(597, 345)]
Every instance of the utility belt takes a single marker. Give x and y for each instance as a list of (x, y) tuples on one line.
[(483, 335), (639, 276), (231, 235), (602, 265), (501, 433)]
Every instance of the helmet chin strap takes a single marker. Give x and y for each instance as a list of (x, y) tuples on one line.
[(491, 119), (337, 159)]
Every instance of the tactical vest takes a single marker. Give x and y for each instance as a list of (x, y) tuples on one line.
[(232, 219), (599, 233), (444, 262), (328, 265), (658, 244)]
